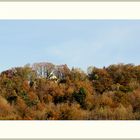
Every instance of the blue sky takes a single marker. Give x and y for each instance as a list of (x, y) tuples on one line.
[(78, 43)]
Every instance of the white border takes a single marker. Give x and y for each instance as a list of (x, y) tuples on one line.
[(69, 10), (69, 129)]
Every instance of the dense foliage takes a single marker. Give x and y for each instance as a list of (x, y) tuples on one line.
[(108, 93)]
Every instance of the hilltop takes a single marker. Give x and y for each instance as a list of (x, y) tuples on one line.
[(44, 91)]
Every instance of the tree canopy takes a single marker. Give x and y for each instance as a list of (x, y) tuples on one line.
[(108, 93)]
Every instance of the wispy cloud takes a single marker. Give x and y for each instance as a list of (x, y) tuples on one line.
[(76, 43)]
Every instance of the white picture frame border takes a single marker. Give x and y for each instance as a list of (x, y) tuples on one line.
[(68, 11)]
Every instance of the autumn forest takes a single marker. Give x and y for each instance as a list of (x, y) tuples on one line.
[(44, 91)]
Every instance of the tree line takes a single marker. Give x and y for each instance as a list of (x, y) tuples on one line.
[(108, 93)]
